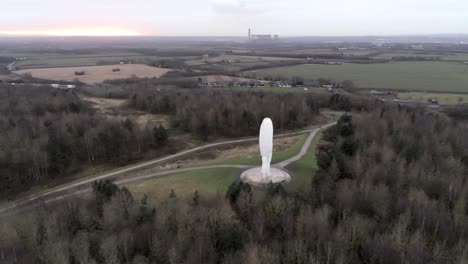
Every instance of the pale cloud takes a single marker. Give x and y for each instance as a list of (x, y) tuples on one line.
[(233, 17), (240, 6)]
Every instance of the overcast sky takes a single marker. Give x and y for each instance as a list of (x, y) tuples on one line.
[(234, 17)]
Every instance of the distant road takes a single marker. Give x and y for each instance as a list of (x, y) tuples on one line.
[(58, 193)]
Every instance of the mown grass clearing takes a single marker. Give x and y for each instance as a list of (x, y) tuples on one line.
[(213, 181), (206, 182), (428, 76)]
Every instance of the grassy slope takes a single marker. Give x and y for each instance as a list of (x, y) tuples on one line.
[(257, 160), (209, 181), (303, 169), (430, 76)]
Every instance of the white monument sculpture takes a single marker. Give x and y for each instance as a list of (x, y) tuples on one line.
[(265, 174), (266, 145)]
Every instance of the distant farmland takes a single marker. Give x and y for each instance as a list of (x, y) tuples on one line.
[(96, 74), (424, 76), (443, 98)]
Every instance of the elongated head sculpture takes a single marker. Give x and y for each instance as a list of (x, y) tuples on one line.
[(266, 145), (265, 175)]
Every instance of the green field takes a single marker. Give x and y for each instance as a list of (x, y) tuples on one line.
[(426, 76), (443, 98), (441, 56)]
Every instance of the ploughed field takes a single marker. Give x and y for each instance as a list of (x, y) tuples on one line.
[(423, 76), (96, 74)]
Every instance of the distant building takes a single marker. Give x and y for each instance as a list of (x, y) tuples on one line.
[(232, 84), (417, 47), (375, 92), (63, 86), (334, 63), (380, 42), (261, 37), (283, 84)]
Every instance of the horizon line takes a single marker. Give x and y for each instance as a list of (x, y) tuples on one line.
[(224, 36)]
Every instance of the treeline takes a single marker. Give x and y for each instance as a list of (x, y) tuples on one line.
[(273, 64), (47, 133), (6, 59), (211, 114), (136, 83), (391, 188), (395, 186)]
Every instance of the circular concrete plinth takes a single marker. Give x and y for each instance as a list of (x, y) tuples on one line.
[(254, 176)]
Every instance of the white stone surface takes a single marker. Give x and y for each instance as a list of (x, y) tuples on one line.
[(254, 176), (266, 145)]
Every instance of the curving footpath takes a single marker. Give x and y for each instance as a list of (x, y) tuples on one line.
[(60, 192)]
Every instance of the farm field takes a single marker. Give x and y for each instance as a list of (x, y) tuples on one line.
[(4, 77), (443, 98), (426, 76), (456, 56), (446, 57), (236, 62), (95, 74), (240, 58), (317, 51), (219, 67), (274, 89), (76, 61), (390, 55), (363, 52)]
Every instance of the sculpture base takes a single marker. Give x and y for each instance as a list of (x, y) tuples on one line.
[(254, 176)]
